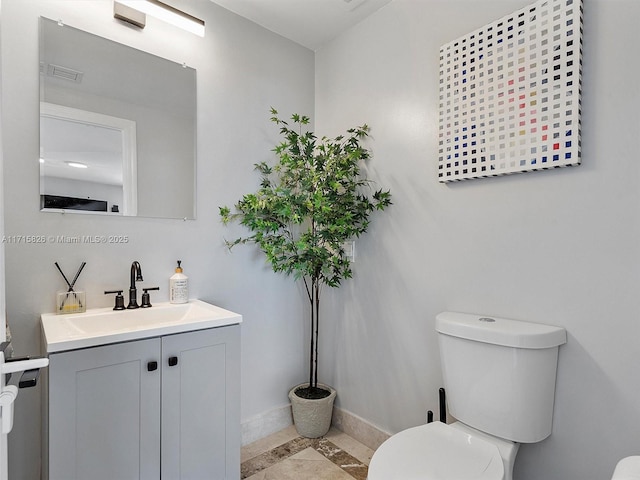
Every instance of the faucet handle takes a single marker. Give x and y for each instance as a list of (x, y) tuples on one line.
[(146, 298), (119, 299)]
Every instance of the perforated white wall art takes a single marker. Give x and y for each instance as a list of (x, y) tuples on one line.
[(510, 94)]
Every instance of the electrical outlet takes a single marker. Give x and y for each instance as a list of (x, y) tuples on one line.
[(350, 250)]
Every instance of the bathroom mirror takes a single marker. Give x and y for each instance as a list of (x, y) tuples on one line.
[(117, 128)]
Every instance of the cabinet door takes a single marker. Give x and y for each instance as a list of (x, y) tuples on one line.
[(104, 421), (201, 405)]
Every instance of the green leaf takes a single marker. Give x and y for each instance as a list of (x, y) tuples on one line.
[(310, 201)]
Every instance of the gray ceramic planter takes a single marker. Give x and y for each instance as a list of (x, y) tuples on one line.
[(312, 418)]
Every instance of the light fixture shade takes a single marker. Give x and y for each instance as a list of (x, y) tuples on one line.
[(168, 14), (129, 15)]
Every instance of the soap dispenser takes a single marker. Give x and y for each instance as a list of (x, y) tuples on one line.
[(179, 286)]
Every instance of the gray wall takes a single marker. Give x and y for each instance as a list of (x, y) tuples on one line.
[(559, 247), (242, 71)]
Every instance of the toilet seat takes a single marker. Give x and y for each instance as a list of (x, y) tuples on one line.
[(436, 451)]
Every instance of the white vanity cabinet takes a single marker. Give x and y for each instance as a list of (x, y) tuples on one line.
[(165, 407)]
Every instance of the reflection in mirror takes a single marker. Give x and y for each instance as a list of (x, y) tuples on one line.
[(117, 128), (88, 156)]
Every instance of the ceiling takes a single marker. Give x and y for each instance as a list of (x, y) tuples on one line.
[(310, 23)]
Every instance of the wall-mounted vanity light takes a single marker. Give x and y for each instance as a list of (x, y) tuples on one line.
[(133, 11)]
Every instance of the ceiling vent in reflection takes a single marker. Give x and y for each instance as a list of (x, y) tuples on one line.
[(64, 73)]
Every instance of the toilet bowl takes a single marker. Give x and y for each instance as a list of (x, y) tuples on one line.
[(627, 469), (437, 451), (500, 376)]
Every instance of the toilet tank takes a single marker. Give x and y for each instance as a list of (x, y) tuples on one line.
[(500, 374)]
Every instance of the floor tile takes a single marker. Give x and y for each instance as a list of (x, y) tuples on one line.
[(348, 444), (268, 443), (281, 457)]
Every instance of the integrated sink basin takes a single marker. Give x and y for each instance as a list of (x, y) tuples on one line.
[(101, 326)]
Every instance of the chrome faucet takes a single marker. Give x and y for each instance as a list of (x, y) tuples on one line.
[(136, 274)]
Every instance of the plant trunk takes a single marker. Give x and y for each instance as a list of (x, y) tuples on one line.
[(312, 295), (317, 315), (312, 390), (313, 351)]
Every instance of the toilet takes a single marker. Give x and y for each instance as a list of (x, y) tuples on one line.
[(627, 469), (500, 378)]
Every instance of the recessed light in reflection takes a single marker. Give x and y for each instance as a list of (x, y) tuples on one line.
[(77, 165)]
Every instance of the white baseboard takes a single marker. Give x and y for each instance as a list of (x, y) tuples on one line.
[(358, 428), (266, 423)]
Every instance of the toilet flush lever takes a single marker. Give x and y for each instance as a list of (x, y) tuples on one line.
[(487, 319)]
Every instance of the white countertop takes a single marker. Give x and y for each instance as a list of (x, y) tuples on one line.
[(102, 326)]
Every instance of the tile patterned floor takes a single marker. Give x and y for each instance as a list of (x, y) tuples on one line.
[(287, 456)]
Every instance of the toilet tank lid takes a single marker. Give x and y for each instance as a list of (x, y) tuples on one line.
[(500, 331)]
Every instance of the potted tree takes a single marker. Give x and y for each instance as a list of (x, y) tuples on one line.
[(312, 201)]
